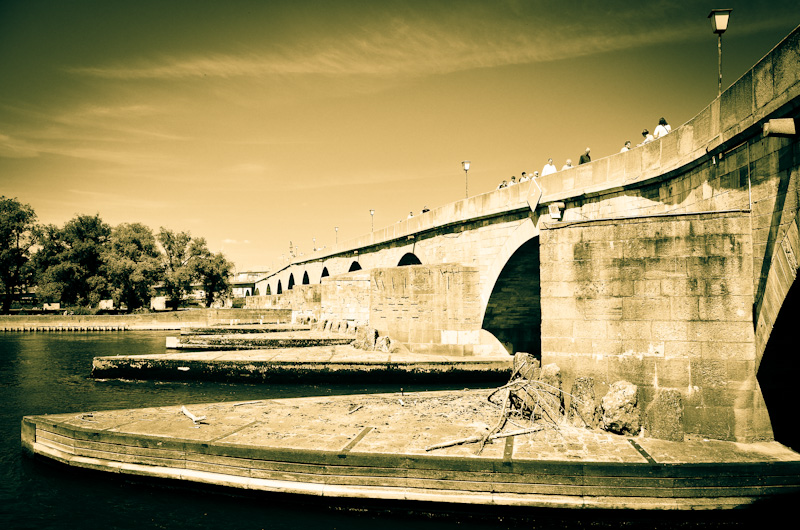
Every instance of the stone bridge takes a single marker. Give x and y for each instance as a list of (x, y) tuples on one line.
[(671, 265)]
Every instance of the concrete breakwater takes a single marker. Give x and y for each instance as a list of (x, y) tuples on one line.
[(384, 446), (337, 363), (256, 342), (167, 320)]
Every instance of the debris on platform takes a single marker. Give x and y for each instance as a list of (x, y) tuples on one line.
[(533, 394), (195, 419)]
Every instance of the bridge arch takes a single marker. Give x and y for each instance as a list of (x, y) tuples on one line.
[(409, 258), (279, 290), (305, 278), (777, 373), (269, 290), (290, 283), (511, 294), (324, 274), (355, 266)]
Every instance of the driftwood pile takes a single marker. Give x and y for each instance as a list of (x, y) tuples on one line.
[(533, 395)]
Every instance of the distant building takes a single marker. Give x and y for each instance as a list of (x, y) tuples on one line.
[(243, 284)]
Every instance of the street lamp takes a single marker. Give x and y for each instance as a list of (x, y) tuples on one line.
[(314, 247), (372, 220), (719, 23), (465, 165), (336, 228)]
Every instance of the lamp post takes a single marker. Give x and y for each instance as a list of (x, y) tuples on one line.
[(719, 23), (372, 220), (465, 165), (336, 229), (314, 247)]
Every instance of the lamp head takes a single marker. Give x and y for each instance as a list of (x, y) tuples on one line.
[(465, 165), (719, 20)]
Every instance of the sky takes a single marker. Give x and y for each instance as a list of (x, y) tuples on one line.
[(255, 124)]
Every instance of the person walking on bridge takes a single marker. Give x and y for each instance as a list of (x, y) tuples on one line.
[(585, 158), (549, 167), (662, 129)]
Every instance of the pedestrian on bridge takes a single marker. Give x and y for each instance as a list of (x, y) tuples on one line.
[(662, 129), (549, 167)]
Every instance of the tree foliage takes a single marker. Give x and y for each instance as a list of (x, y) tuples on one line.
[(132, 265), (179, 273), (17, 235), (70, 260), (86, 261), (212, 271)]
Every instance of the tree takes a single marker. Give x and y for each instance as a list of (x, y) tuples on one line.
[(132, 265), (17, 235), (178, 271), (69, 262), (212, 271)]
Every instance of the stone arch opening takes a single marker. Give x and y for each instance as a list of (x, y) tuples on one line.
[(777, 373), (290, 284), (513, 312), (247, 293), (355, 266), (256, 292), (409, 259), (325, 273), (305, 278), (269, 290), (280, 289)]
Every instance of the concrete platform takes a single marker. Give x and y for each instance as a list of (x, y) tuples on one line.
[(243, 329), (338, 363), (374, 447), (268, 339)]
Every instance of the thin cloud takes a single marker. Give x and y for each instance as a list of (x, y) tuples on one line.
[(111, 201), (416, 46), (16, 148)]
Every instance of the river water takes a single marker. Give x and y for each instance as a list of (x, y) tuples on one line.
[(47, 373)]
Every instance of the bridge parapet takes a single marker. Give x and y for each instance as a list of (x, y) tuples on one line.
[(769, 89)]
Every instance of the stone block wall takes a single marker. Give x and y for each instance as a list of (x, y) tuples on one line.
[(664, 302), (430, 308), (301, 300), (346, 297)]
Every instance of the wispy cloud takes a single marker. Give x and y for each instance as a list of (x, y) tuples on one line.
[(16, 148), (416, 46), (111, 201)]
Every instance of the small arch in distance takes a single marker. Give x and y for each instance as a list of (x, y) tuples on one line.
[(409, 259)]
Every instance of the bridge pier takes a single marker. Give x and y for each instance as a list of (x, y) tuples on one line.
[(664, 302)]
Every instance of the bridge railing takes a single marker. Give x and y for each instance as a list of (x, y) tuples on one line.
[(769, 89)]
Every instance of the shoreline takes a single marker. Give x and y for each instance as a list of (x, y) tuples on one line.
[(162, 320)]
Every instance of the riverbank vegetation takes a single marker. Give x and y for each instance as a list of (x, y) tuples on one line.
[(86, 262)]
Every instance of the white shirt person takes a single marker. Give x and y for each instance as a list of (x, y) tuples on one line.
[(549, 167)]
